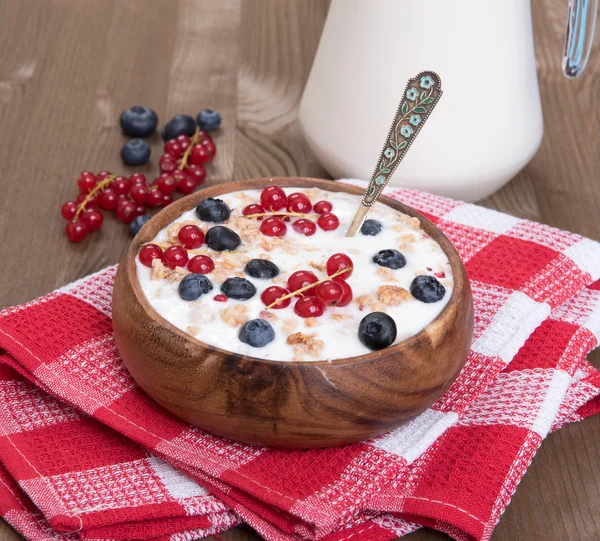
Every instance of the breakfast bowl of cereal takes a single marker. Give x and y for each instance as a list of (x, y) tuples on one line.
[(244, 310)]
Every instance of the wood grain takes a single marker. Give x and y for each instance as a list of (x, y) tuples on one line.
[(69, 66)]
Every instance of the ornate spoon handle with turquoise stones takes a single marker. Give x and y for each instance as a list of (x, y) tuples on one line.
[(420, 96)]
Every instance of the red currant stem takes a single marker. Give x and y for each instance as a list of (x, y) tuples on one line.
[(193, 141), (300, 215), (98, 187), (303, 289)]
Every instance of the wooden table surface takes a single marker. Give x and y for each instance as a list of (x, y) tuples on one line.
[(68, 67)]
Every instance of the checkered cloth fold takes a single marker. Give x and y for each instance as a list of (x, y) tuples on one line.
[(84, 450)]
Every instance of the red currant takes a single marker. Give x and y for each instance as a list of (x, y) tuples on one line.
[(93, 220), (108, 199), (328, 221), (187, 185), (197, 172), (298, 202), (150, 252), (139, 193), (140, 209), (204, 136), (323, 207), (273, 227), (173, 149), (122, 197), (120, 185), (178, 176), (76, 231), (86, 182), (347, 297), (126, 211), (191, 236), (273, 198), (102, 175), (200, 155), (167, 199), (309, 307), (167, 164), (155, 198), (304, 227), (300, 279), (166, 182), (137, 178), (254, 209), (201, 264), (184, 141), (338, 262), (330, 293), (175, 256), (210, 145), (220, 297), (272, 294), (68, 210)]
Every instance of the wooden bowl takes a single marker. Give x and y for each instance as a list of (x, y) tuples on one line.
[(288, 404)]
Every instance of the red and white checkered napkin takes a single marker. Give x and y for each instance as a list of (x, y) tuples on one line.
[(455, 467)]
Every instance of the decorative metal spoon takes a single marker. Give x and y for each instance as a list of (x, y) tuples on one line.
[(420, 97)]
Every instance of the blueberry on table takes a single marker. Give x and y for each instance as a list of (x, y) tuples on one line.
[(371, 228), (208, 120), (263, 269), (138, 223), (138, 121), (239, 289), (213, 210), (222, 239), (392, 259), (135, 152), (193, 286), (427, 288), (178, 125), (377, 330), (256, 333)]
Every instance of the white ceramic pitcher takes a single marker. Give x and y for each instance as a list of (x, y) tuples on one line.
[(487, 125)]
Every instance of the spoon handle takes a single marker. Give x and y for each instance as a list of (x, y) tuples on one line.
[(420, 97)]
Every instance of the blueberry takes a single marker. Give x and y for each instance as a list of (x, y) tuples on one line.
[(239, 289), (138, 223), (427, 289), (178, 125), (256, 333), (377, 330), (371, 228), (392, 259), (220, 239), (262, 269), (135, 152), (193, 286), (213, 210), (208, 120), (138, 121)]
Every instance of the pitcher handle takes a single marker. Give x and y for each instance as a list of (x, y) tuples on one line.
[(581, 22)]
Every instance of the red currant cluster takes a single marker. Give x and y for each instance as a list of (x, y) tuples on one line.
[(314, 294), (128, 197), (271, 212), (191, 238), (182, 164), (182, 169)]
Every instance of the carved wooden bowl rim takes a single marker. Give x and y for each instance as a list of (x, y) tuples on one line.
[(175, 209)]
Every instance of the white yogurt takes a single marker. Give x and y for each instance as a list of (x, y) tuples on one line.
[(335, 333)]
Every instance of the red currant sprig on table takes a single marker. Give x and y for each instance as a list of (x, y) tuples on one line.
[(314, 295), (184, 159), (276, 208)]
